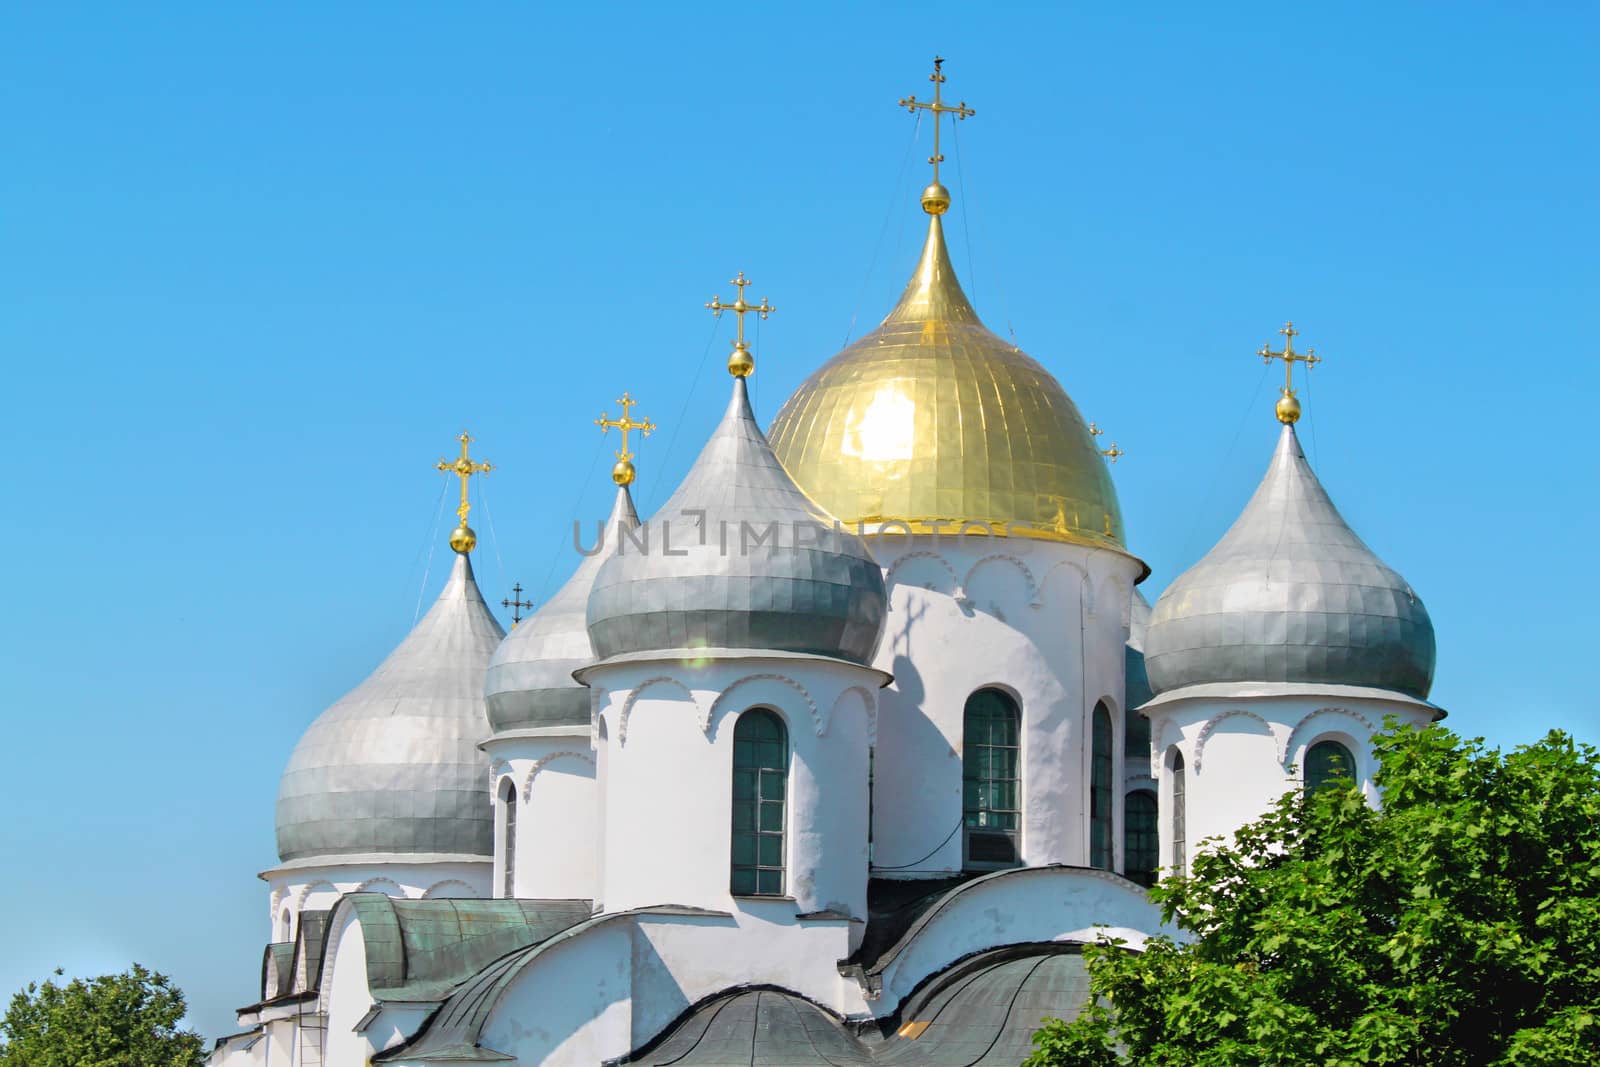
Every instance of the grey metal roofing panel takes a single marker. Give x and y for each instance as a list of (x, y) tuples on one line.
[(757, 1026), (1291, 594), (393, 767), (277, 969), (984, 1014), (529, 682), (981, 1012), (705, 581), (421, 950), (311, 940)]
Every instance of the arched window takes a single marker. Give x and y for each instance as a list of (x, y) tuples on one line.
[(288, 926), (1141, 844), (1180, 843), (1328, 762), (508, 820), (1100, 791), (991, 814), (760, 788)]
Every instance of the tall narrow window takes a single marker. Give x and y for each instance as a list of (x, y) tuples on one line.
[(991, 784), (760, 787), (508, 820), (1179, 838), (1100, 791), (1140, 841), (1328, 762)]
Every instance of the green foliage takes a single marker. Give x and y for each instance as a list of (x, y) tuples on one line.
[(1459, 925), (117, 1020)]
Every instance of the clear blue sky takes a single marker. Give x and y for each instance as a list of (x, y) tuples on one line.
[(257, 266)]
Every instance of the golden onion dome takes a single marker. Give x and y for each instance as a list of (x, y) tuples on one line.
[(932, 421)]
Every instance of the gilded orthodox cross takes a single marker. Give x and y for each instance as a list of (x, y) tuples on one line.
[(938, 107), (1288, 408), (464, 467), (623, 472), (516, 604), (741, 363), (1113, 453)]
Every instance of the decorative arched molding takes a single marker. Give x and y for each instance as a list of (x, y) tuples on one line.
[(498, 769), (376, 884), (1300, 737), (1163, 736), (1085, 583), (638, 691), (539, 765), (309, 888), (1001, 557), (723, 699), (894, 568), (432, 892), (869, 701), (507, 776), (1135, 783), (1218, 719)]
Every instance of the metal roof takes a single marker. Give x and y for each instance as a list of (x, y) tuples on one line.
[(739, 557), (529, 683), (980, 1012), (393, 767), (1291, 594)]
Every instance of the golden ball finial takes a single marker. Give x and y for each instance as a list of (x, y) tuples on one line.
[(935, 199), (741, 363), (1288, 409), (623, 473), (462, 539)]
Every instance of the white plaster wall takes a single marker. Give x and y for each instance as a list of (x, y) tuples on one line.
[(345, 996), (669, 775), (1020, 907), (612, 987), (235, 1054), (277, 1046), (557, 819), (616, 985), (1044, 620), (571, 1006), (1242, 753), (319, 888)]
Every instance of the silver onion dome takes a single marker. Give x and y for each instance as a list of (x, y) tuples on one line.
[(529, 683), (394, 767), (1291, 594), (739, 558)]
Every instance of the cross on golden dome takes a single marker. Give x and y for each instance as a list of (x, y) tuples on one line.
[(741, 363), (1113, 453), (936, 198), (462, 539), (1288, 408), (623, 473)]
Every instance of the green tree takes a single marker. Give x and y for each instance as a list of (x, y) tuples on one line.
[(1459, 925), (117, 1020)]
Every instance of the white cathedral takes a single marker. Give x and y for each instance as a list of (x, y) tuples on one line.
[(840, 758)]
